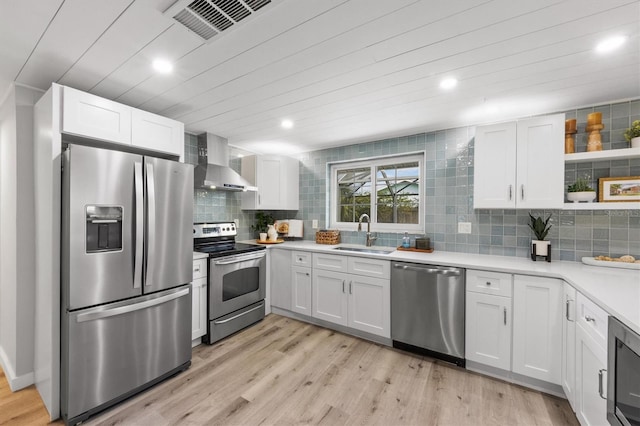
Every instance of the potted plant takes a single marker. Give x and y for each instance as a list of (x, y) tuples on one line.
[(581, 191), (632, 134), (262, 222), (540, 228)]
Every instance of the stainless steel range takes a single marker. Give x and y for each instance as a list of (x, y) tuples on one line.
[(237, 279)]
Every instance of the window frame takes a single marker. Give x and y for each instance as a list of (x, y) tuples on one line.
[(373, 162)]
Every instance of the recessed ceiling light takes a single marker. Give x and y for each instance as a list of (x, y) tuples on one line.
[(286, 124), (610, 44), (162, 66), (448, 83)]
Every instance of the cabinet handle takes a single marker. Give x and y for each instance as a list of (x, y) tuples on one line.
[(350, 287), (343, 286), (307, 274), (567, 310), (600, 383), (505, 315), (510, 192), (589, 319), (488, 282), (522, 192)]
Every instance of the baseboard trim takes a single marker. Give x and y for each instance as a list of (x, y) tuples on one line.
[(15, 382)]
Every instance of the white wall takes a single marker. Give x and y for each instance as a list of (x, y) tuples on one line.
[(17, 245)]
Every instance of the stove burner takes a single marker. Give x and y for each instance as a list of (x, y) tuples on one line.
[(218, 240)]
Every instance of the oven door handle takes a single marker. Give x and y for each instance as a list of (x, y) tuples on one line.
[(239, 258)]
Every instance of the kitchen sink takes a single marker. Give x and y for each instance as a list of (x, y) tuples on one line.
[(365, 250)]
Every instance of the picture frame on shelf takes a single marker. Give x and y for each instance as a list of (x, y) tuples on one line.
[(619, 189)]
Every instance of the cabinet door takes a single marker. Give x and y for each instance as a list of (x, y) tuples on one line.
[(569, 344), (152, 131), (488, 330), (540, 162), (280, 277), (591, 359), (329, 298), (537, 327), (370, 305), (95, 117), (277, 180), (198, 308), (495, 166), (301, 290)]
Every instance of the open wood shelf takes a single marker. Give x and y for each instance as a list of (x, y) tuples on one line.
[(610, 154), (601, 206)]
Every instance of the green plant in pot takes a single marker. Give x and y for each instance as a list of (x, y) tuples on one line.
[(632, 134), (580, 191), (261, 224), (540, 228)]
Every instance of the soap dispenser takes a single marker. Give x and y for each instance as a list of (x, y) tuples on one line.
[(406, 242)]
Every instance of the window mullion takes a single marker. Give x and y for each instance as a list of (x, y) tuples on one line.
[(373, 202)]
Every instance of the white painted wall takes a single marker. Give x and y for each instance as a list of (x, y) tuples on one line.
[(17, 245)]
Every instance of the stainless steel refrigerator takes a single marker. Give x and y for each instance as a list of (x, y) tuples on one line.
[(126, 268)]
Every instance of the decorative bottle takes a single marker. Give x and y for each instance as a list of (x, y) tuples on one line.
[(406, 242)]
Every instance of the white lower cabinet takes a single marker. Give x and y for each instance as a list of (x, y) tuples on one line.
[(569, 344), (329, 298), (301, 290), (199, 299), (360, 300), (591, 363), (280, 278), (537, 328), (488, 330)]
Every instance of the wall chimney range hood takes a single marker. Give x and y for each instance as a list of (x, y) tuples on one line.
[(212, 171)]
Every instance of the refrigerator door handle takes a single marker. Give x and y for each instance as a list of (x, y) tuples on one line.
[(106, 313), (151, 220), (139, 237)]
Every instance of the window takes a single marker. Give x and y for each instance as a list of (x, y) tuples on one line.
[(387, 189)]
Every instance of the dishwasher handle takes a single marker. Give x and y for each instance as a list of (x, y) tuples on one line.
[(428, 269)]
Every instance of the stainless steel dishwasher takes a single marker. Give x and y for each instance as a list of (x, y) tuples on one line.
[(427, 310)]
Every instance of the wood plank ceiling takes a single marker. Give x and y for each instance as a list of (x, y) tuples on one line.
[(343, 70)]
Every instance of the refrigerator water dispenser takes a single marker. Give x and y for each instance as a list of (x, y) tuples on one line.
[(104, 229)]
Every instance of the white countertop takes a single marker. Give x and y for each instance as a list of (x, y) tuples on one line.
[(617, 291)]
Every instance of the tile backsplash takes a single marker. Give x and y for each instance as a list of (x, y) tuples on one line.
[(449, 195)]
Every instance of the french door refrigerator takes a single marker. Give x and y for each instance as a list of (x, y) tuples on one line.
[(126, 268)]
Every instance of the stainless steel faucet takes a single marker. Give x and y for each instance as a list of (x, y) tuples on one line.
[(370, 238)]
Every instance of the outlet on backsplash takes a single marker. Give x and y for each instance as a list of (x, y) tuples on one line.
[(464, 227)]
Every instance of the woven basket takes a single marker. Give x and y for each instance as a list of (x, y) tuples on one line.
[(327, 237)]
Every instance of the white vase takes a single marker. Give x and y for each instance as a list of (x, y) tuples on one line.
[(576, 197), (272, 235), (541, 247), (263, 236), (635, 142)]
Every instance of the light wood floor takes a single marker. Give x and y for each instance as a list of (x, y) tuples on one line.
[(23, 407), (282, 371)]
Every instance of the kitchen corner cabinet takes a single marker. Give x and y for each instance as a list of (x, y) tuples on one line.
[(569, 344), (488, 318), (520, 164), (91, 116), (537, 328), (199, 299), (277, 180), (352, 291)]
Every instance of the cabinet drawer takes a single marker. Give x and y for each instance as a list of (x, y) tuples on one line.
[(369, 267), (330, 262), (301, 258), (496, 283), (593, 319), (199, 268), (199, 282)]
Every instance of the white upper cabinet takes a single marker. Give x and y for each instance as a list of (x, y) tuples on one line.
[(158, 133), (84, 114), (520, 164), (277, 180)]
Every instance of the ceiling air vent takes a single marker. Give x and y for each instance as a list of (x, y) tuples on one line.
[(208, 18)]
